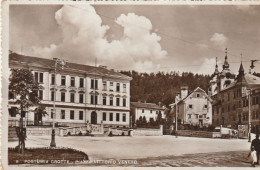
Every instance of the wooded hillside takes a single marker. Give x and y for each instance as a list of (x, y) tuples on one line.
[(162, 87)]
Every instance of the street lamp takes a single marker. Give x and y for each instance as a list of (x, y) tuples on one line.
[(249, 116), (58, 62)]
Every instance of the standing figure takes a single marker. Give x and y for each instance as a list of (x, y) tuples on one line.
[(256, 144), (252, 156)]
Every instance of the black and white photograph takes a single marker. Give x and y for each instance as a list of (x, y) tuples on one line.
[(130, 85)]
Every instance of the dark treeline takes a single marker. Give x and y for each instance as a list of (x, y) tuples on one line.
[(163, 87)]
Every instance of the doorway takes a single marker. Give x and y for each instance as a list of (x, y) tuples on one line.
[(93, 117)]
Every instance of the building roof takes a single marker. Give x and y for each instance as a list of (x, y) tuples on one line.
[(249, 78), (80, 67), (146, 105)]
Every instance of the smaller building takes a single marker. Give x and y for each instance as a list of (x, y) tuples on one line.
[(147, 110), (193, 108)]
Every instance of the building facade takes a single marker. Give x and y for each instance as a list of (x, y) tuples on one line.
[(233, 100), (193, 108), (84, 94), (147, 110)]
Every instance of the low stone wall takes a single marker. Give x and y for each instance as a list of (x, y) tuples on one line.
[(148, 132), (190, 133), (40, 131)]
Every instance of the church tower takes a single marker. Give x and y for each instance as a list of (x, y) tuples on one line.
[(213, 82)]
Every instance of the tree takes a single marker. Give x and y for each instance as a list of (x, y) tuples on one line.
[(159, 118), (23, 84), (39, 112)]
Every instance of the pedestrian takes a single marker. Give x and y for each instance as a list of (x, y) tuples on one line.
[(256, 144), (252, 156)]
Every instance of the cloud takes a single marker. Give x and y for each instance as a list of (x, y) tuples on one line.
[(219, 39), (208, 66), (84, 38)]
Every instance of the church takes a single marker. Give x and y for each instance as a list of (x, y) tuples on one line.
[(235, 97)]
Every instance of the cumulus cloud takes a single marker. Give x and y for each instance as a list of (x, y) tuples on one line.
[(219, 39), (84, 38), (208, 66)]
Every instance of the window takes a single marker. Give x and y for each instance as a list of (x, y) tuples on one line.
[(81, 98), (72, 114), (72, 81), (81, 82), (111, 83), (36, 76), (111, 101), (52, 114), (80, 115), (256, 114), (256, 100), (111, 116), (104, 100), (205, 106), (118, 87), (117, 117), (222, 110), (253, 116), (124, 102), (94, 84), (253, 103), (196, 116), (142, 110), (104, 85), (189, 116), (62, 96), (228, 96), (53, 79), (124, 117), (190, 106), (204, 115), (63, 80), (151, 111), (62, 114), (198, 95), (40, 94), (72, 96), (41, 78), (124, 88), (117, 101), (92, 99), (104, 116), (52, 95)]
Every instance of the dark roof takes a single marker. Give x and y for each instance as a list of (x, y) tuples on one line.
[(69, 65), (146, 105)]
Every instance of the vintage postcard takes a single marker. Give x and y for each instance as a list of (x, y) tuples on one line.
[(130, 84)]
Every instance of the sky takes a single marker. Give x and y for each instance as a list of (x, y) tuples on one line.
[(144, 38)]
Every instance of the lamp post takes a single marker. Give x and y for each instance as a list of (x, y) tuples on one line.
[(62, 63), (249, 116)]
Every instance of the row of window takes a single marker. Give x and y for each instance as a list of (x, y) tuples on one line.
[(191, 106), (94, 83), (151, 111), (93, 99), (72, 114), (197, 116), (111, 116)]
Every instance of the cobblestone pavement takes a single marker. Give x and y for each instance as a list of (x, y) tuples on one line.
[(224, 159)]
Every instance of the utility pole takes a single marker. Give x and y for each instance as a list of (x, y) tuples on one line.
[(62, 63), (249, 116)]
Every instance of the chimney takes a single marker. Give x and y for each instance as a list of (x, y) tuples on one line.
[(184, 91)]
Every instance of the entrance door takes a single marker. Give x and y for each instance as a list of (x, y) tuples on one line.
[(201, 123), (93, 117)]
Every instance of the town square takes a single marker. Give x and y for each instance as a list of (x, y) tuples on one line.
[(97, 85)]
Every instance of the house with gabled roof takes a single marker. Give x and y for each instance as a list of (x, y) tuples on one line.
[(193, 108)]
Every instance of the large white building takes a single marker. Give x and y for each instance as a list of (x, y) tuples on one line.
[(84, 94)]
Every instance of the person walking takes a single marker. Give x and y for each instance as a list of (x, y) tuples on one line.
[(256, 145), (252, 156)]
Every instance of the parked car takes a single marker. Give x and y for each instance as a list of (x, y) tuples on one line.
[(224, 132)]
